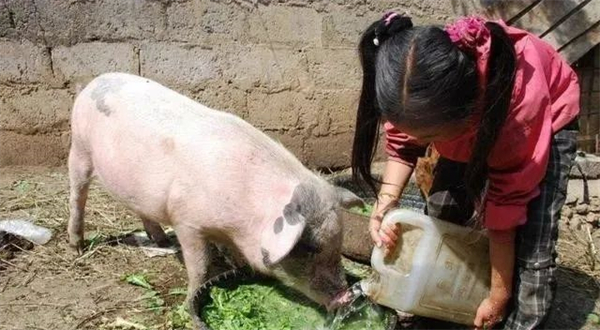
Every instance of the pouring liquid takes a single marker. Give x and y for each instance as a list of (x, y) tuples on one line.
[(357, 314)]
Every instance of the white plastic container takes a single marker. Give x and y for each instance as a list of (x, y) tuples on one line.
[(438, 270)]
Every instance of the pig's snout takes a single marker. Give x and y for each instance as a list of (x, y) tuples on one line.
[(332, 286), (344, 297)]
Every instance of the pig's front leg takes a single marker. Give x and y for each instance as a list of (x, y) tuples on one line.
[(195, 257)]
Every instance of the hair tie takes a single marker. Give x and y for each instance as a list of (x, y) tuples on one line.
[(471, 35), (385, 23), (389, 16)]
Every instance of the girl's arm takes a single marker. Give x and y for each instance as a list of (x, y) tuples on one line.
[(395, 177), (502, 259)]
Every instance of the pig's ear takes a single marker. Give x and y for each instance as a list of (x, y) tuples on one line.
[(348, 199), (280, 238)]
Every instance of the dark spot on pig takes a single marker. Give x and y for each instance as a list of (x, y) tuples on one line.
[(303, 205), (104, 86), (265, 255), (292, 213), (278, 226)]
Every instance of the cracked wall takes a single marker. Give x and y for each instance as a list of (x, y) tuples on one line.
[(288, 67)]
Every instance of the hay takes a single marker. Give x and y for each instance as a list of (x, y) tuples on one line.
[(45, 199)]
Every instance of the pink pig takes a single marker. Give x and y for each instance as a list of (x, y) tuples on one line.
[(211, 176)]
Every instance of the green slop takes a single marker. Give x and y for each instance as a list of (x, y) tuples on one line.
[(267, 305), (366, 210)]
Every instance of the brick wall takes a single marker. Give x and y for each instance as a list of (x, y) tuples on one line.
[(288, 67)]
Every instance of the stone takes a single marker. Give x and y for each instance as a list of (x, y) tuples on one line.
[(590, 164), (575, 223), (7, 22), (592, 218), (278, 110), (18, 21), (428, 11), (563, 226), (23, 62), (71, 22), (343, 30), (338, 107), (223, 98), (91, 59), (577, 188), (581, 209), (265, 69), (177, 66), (184, 21), (39, 111), (296, 27), (205, 22), (567, 212), (332, 151), (292, 140), (335, 68), (571, 199), (40, 149)]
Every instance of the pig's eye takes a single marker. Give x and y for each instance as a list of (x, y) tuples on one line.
[(304, 247)]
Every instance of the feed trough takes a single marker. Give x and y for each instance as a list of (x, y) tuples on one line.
[(357, 243), (242, 299)]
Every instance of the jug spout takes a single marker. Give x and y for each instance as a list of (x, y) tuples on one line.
[(370, 288)]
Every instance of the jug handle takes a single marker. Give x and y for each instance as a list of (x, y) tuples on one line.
[(395, 216), (408, 217)]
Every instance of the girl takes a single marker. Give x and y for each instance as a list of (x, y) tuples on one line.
[(500, 106)]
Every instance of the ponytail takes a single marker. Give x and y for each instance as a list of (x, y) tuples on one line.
[(496, 104), (368, 116)]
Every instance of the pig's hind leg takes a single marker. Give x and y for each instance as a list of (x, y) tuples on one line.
[(80, 173), (156, 233)]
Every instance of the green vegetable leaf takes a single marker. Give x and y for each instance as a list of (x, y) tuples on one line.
[(178, 292), (138, 280), (366, 211)]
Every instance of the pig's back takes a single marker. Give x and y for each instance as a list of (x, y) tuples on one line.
[(150, 145)]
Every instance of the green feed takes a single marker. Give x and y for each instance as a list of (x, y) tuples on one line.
[(270, 305), (366, 211)]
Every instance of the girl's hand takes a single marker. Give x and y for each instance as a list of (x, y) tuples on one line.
[(388, 235), (490, 312), (502, 259)]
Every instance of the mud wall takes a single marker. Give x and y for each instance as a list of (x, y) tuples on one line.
[(288, 67)]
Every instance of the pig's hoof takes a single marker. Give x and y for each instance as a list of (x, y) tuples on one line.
[(77, 247), (162, 242)]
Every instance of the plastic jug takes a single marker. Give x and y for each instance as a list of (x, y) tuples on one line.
[(439, 269)]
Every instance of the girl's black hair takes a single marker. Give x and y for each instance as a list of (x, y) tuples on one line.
[(418, 77)]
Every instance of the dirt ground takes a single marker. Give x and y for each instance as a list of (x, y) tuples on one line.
[(50, 287)]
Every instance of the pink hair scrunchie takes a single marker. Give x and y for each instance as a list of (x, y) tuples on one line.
[(471, 35)]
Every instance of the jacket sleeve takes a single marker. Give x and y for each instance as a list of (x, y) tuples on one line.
[(402, 147)]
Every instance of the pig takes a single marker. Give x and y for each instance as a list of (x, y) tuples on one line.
[(210, 175)]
